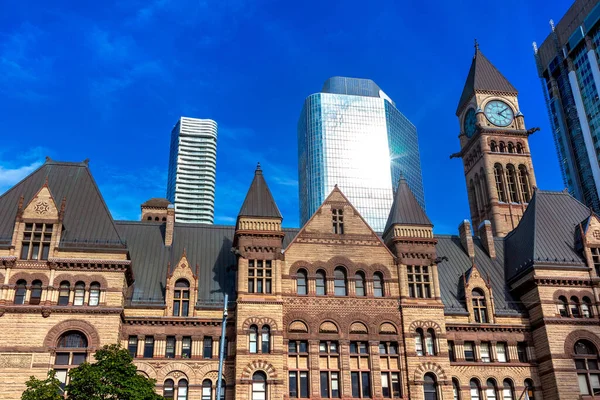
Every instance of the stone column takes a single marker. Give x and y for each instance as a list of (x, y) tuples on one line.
[(140, 346)]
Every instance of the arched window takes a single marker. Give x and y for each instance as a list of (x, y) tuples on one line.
[(430, 387), (259, 386), (207, 390), (498, 175), (586, 307), (377, 284), (563, 306), (493, 146), (63, 293), (586, 364), (265, 339), (79, 294), (20, 291), (508, 391), (253, 339), (301, 282), (479, 307), (529, 388), (524, 183), (149, 218), (511, 147), (574, 307), (182, 390), (94, 294), (71, 351), (491, 390), (512, 183), (168, 389), (455, 389), (502, 147), (36, 292), (474, 196), (430, 342), (320, 283), (340, 284), (483, 189), (475, 389), (419, 339), (156, 219), (359, 283), (164, 219), (519, 148), (181, 298)]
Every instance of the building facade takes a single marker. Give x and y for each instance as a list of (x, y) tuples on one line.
[(352, 135), (192, 170), (567, 63)]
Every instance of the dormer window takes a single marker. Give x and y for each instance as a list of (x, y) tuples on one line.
[(36, 241), (337, 216), (596, 259), (181, 298), (479, 306)]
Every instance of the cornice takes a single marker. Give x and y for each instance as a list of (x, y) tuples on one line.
[(486, 328)]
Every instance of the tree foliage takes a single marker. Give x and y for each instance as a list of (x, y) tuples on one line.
[(47, 389)]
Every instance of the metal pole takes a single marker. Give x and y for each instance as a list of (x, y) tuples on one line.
[(222, 348)]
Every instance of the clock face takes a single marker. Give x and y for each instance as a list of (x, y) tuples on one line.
[(498, 113), (469, 123)]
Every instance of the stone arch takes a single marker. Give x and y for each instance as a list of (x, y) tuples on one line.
[(260, 321), (29, 277), (580, 334), (147, 369), (298, 326), (176, 370), (425, 325), (288, 319), (298, 265), (385, 271), (340, 261), (87, 279), (209, 371), (72, 325), (432, 367), (387, 328), (259, 365), (328, 327), (359, 327)]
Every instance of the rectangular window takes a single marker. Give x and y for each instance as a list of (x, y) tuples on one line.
[(186, 347), (303, 384), (260, 274), (132, 346), (149, 347), (298, 369), (61, 375), (337, 216), (522, 351), (451, 354), (62, 359), (354, 377), (170, 347), (366, 384), (36, 241), (324, 385), (501, 352), (469, 353), (419, 281), (208, 344), (293, 384), (596, 259), (78, 358), (485, 352), (390, 369)]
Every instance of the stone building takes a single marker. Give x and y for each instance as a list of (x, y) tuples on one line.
[(330, 310)]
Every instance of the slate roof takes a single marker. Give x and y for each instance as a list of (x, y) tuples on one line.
[(483, 76), (87, 220), (259, 201), (406, 208), (546, 234)]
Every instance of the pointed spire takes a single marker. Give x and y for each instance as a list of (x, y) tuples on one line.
[(259, 202), (406, 209), (483, 76)]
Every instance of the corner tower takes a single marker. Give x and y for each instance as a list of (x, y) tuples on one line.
[(494, 148)]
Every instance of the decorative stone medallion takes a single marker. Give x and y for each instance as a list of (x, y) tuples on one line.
[(42, 207)]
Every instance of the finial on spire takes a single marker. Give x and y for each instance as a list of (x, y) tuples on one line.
[(476, 45), (535, 48), (552, 24), (258, 167)]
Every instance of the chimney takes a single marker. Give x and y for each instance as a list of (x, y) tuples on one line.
[(466, 238), (487, 238), (170, 226)]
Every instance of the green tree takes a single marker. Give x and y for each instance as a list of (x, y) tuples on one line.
[(112, 376), (47, 389)]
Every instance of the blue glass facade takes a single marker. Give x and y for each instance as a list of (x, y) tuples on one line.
[(568, 65), (352, 135)]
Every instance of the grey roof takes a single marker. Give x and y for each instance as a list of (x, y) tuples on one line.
[(208, 246), (450, 275), (546, 234), (87, 220), (406, 208), (259, 201), (483, 76), (156, 202)]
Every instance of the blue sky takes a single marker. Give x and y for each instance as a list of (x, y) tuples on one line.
[(107, 81)]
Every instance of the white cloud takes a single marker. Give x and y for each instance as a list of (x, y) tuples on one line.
[(11, 176)]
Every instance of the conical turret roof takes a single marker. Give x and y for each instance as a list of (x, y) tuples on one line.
[(406, 209), (259, 202)]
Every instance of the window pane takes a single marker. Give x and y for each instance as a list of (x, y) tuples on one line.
[(396, 384), (62, 359), (385, 384), (78, 358), (335, 389), (355, 384), (583, 387), (324, 385), (303, 384), (293, 382), (149, 347), (366, 384)]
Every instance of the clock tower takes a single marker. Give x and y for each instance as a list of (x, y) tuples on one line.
[(494, 148)]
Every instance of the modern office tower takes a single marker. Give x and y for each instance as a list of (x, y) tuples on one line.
[(567, 62), (192, 170), (352, 135)]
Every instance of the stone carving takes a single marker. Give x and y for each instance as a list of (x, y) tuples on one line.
[(596, 234), (42, 208), (15, 360)]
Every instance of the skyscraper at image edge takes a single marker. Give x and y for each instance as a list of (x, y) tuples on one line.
[(192, 170), (352, 135), (567, 62)]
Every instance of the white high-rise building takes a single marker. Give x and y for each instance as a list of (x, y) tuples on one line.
[(192, 170)]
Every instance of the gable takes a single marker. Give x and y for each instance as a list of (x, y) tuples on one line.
[(42, 207)]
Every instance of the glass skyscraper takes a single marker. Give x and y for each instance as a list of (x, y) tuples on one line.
[(352, 135), (192, 170), (567, 62)]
